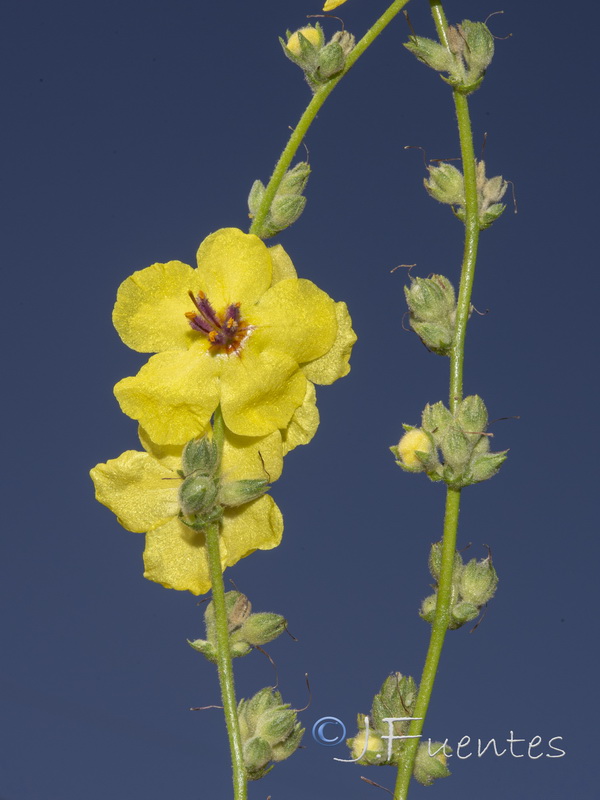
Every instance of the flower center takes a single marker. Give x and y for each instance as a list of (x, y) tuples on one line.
[(225, 331)]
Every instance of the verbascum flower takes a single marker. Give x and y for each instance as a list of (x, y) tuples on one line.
[(142, 489), (241, 330)]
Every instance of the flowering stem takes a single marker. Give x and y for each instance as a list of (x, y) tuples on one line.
[(224, 665), (442, 611), (313, 109)]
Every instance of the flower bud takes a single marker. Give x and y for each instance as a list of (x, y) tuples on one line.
[(478, 582), (376, 748), (472, 416), (473, 44), (396, 698), (265, 720), (313, 36), (446, 184), (432, 53), (462, 612), (432, 306), (200, 455), (257, 754), (414, 450), (320, 61), (197, 494), (260, 629), (430, 767), (288, 203), (236, 493)]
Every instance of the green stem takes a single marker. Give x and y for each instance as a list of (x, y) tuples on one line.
[(442, 611), (436, 642), (224, 664), (313, 109)]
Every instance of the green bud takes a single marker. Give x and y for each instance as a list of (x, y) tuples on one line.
[(437, 337), (288, 203), (446, 184), (435, 562), (430, 299), (396, 698), (206, 648), (430, 767), (286, 748), (295, 179), (456, 449), (266, 719), (255, 198), (285, 210), (472, 416), (197, 494), (462, 612), (437, 420), (318, 60), (237, 493), (260, 629), (200, 455), (478, 582), (486, 466), (428, 606), (473, 43), (430, 52), (257, 754)]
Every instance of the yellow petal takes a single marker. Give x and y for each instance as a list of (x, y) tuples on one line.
[(174, 394), (331, 4), (260, 392), (251, 457), (138, 489), (283, 266), (169, 455), (175, 556), (254, 526), (149, 314), (294, 317), (304, 423), (334, 364), (233, 267)]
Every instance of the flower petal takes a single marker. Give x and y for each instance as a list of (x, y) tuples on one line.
[(283, 266), (175, 556), (254, 526), (138, 489), (331, 4), (260, 391), (174, 394), (295, 317), (149, 314), (304, 423), (334, 364), (233, 266), (251, 457)]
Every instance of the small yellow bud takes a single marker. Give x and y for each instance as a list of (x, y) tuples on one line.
[(310, 33), (374, 745), (331, 4), (415, 440)]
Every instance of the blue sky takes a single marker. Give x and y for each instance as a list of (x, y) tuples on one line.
[(132, 130)]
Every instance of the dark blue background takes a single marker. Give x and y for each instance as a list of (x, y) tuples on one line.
[(132, 130)]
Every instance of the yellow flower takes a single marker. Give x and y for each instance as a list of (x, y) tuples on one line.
[(331, 4), (241, 331), (142, 490)]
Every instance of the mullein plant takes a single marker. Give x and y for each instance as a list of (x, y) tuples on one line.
[(238, 343)]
